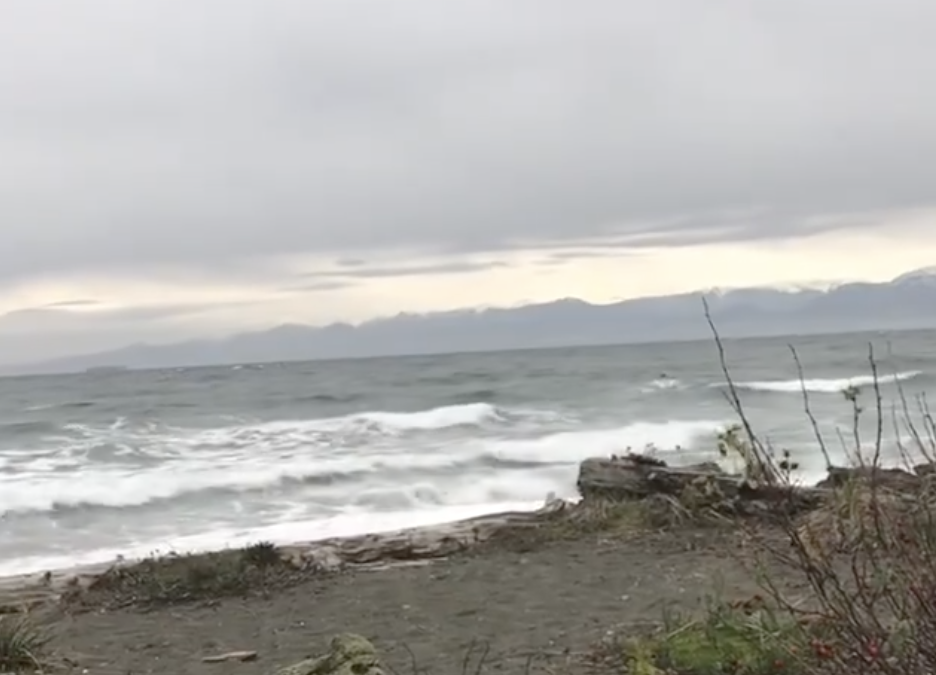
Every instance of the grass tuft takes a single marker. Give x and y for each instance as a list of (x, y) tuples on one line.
[(182, 578), (739, 639), (22, 644)]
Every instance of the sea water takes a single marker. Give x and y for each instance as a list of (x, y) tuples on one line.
[(99, 465)]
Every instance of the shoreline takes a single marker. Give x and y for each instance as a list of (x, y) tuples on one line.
[(391, 545), (644, 542), (372, 550), (282, 534), (626, 481)]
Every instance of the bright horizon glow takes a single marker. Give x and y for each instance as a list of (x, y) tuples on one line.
[(105, 312), (819, 261)]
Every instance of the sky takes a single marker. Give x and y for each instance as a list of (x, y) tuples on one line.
[(173, 169)]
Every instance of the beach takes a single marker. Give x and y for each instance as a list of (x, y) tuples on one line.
[(553, 602), (546, 602), (561, 589)]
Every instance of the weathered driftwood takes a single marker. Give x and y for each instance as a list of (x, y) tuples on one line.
[(415, 544), (635, 477), (893, 479), (242, 656)]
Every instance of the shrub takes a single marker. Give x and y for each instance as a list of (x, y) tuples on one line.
[(868, 555), (175, 578)]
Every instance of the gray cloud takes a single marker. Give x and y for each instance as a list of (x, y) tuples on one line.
[(350, 272), (58, 317), (350, 262), (338, 128), (565, 257), (72, 303), (361, 271), (321, 286)]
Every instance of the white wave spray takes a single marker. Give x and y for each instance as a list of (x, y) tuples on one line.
[(825, 386), (313, 478)]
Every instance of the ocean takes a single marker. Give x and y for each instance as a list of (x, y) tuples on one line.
[(99, 465)]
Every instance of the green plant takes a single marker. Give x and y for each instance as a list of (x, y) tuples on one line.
[(22, 644), (737, 639), (262, 554)]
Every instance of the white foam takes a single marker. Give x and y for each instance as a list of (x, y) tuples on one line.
[(469, 414), (345, 525), (578, 445), (821, 386), (663, 384), (264, 456), (480, 490)]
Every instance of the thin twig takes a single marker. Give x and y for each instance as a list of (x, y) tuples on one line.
[(808, 408), (878, 408), (764, 469)]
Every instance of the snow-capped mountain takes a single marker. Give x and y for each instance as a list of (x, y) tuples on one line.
[(925, 275), (908, 301)]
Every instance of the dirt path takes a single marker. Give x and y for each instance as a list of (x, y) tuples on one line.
[(556, 598)]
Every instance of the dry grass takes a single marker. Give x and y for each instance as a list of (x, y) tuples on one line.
[(838, 526), (176, 579), (694, 507), (868, 556)]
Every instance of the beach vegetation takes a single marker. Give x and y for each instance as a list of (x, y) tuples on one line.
[(729, 639), (23, 644), (262, 555), (864, 560), (180, 578), (616, 519)]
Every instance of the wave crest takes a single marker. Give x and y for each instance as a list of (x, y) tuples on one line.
[(825, 386), (663, 384), (360, 452)]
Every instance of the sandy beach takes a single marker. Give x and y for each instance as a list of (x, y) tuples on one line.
[(537, 603), (553, 602), (564, 589)]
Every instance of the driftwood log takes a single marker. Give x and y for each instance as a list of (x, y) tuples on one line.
[(635, 477), (892, 479)]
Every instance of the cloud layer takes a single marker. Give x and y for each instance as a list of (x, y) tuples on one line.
[(176, 168), (218, 135)]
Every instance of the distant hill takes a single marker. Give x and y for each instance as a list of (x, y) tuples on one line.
[(908, 301)]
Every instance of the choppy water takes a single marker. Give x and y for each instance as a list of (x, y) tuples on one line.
[(98, 465)]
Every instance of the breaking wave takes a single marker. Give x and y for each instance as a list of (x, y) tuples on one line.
[(825, 386), (462, 454)]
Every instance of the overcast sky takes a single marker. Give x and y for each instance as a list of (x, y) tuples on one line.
[(180, 168)]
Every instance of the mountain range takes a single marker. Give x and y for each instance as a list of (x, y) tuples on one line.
[(906, 302)]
